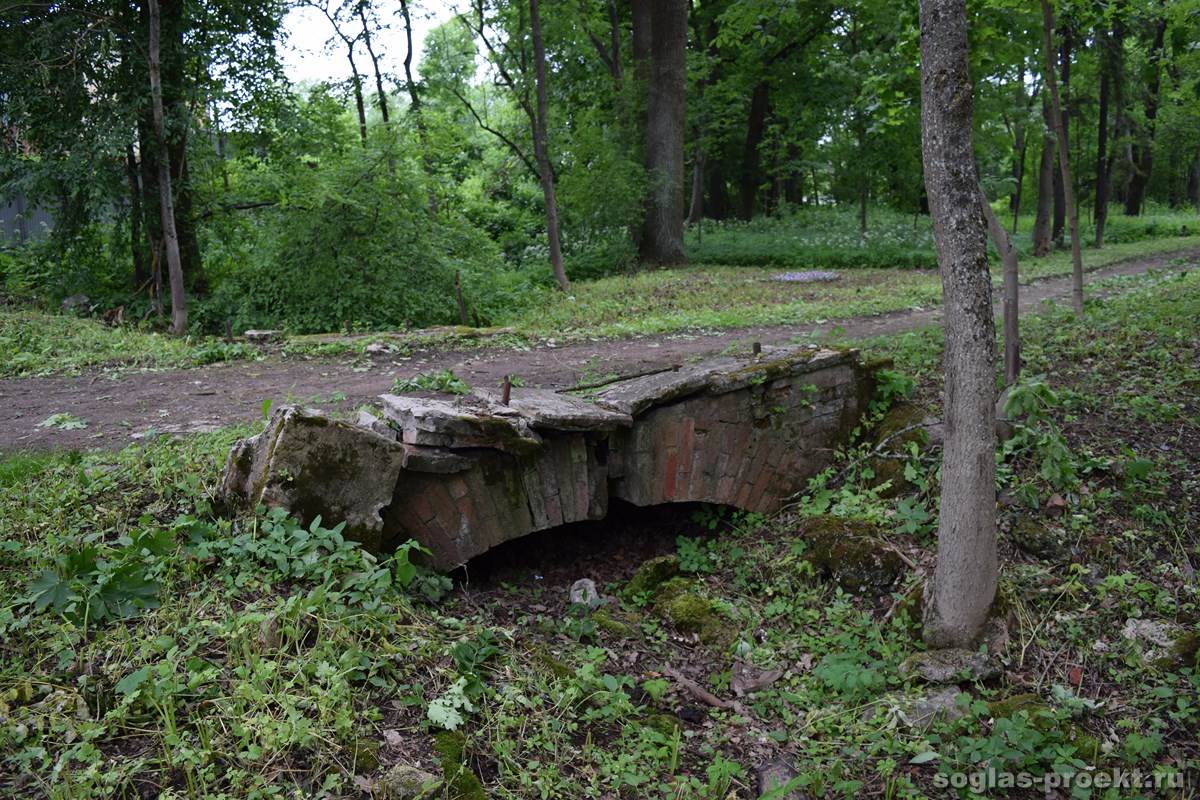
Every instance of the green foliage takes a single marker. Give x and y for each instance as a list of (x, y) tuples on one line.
[(442, 381)]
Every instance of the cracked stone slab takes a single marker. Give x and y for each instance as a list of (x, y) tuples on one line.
[(457, 424), (548, 410)]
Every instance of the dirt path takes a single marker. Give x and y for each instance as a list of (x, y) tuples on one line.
[(123, 408)]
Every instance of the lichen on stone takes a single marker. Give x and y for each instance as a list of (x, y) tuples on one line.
[(852, 554)]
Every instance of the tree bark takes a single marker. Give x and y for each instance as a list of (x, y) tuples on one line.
[(1143, 158), (166, 203), (414, 99), (760, 102), (382, 95), (1012, 306), (1064, 157), (1060, 194), (542, 150), (960, 594), (696, 212), (1045, 199), (666, 109), (1100, 211), (136, 253)]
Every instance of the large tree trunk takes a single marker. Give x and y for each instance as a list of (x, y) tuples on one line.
[(1064, 157), (1012, 306), (166, 203), (960, 594), (1143, 152), (756, 124), (1045, 199), (666, 109), (542, 149)]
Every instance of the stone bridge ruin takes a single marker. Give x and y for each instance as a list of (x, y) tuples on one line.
[(463, 475)]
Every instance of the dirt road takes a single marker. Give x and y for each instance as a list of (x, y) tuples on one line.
[(120, 408)]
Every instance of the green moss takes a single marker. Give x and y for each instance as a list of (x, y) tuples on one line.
[(555, 667), (366, 756), (670, 589), (607, 622), (651, 574), (691, 613), (461, 783), (887, 434), (1041, 716), (1030, 703), (666, 724), (1183, 652), (1038, 540), (851, 554)]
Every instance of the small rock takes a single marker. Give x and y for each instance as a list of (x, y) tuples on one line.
[(1039, 541), (950, 666), (377, 349), (1056, 506), (772, 778), (76, 301), (920, 710), (583, 592), (261, 335), (405, 782), (747, 680)]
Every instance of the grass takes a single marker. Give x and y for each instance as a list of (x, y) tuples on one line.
[(36, 343), (151, 647)]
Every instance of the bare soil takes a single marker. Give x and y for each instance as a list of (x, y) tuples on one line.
[(121, 408)]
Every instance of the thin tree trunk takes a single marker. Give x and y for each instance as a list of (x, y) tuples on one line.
[(1060, 192), (382, 95), (1012, 308), (1064, 157), (136, 253), (1143, 160), (696, 212), (1045, 198), (174, 267), (356, 82), (541, 148), (414, 99), (1102, 165), (960, 594)]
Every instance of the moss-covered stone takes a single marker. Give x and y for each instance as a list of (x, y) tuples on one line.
[(552, 665), (665, 724), (888, 434), (608, 622), (1183, 652), (670, 589), (852, 554), (691, 613), (366, 756), (1038, 540), (1041, 716), (460, 782), (1030, 703), (651, 574), (406, 782)]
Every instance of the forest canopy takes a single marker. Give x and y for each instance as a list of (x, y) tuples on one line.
[(419, 197)]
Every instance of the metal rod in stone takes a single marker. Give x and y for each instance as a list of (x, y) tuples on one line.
[(506, 388)]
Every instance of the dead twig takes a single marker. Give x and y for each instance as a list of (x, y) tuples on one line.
[(700, 693)]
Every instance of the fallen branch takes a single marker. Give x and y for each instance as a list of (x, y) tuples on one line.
[(607, 381), (700, 693)]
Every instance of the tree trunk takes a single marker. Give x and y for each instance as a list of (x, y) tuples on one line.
[(666, 109), (1064, 156), (760, 102), (1041, 223), (382, 95), (718, 206), (1012, 307), (1143, 159), (1102, 164), (960, 594), (166, 203), (696, 212), (137, 254), (542, 149), (1060, 193)]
